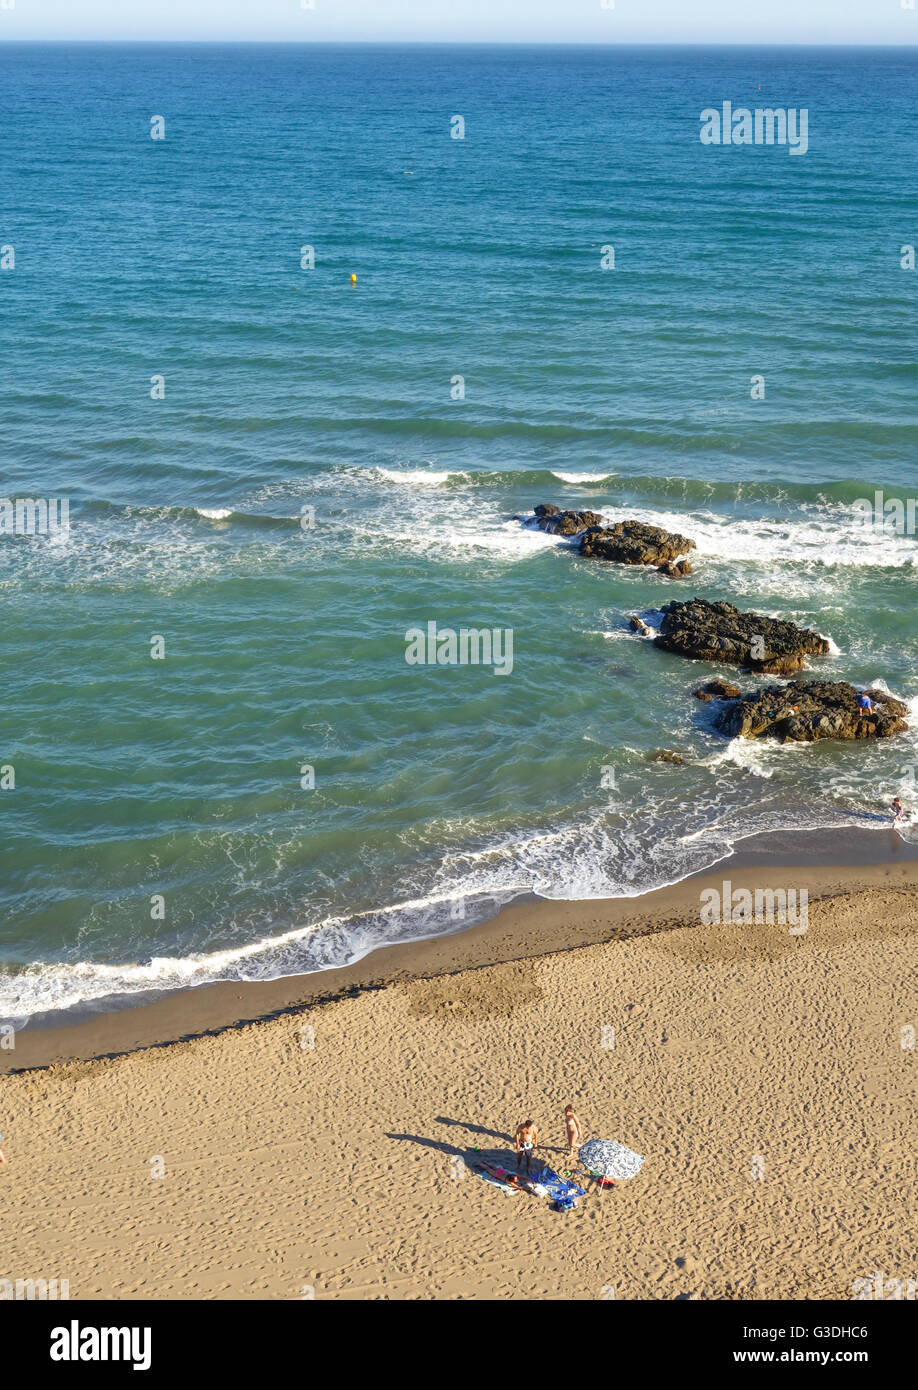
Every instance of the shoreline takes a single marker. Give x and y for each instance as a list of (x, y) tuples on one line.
[(825, 863)]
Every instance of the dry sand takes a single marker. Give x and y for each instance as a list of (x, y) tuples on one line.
[(335, 1168)]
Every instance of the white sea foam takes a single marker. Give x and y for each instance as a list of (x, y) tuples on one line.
[(332, 942), (798, 555), (467, 531), (581, 477), (822, 537), (763, 757), (418, 477), (214, 513)]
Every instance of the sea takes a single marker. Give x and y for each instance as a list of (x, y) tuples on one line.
[(215, 760)]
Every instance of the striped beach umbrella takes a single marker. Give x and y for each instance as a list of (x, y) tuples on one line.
[(608, 1159)]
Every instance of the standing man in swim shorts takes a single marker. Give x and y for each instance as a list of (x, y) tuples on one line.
[(526, 1142)]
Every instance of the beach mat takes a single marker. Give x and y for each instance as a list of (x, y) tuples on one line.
[(563, 1194)]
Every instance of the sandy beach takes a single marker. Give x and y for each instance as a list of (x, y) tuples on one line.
[(323, 1149)]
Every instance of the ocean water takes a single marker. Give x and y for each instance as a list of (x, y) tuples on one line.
[(158, 833)]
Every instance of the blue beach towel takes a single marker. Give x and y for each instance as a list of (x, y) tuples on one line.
[(564, 1194)]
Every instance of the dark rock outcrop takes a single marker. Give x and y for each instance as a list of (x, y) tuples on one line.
[(558, 523), (666, 755), (720, 632), (625, 543), (634, 543), (717, 690), (675, 569), (805, 711)]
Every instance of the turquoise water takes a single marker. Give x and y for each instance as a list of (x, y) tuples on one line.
[(440, 792)]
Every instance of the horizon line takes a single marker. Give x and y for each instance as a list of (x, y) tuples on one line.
[(473, 43)]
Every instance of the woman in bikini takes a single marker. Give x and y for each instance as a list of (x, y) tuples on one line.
[(574, 1131)]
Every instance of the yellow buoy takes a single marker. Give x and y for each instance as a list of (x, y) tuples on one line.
[(353, 279)]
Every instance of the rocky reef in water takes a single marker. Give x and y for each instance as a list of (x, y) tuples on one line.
[(636, 543), (624, 543), (720, 632), (804, 711), (800, 711), (560, 523)]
